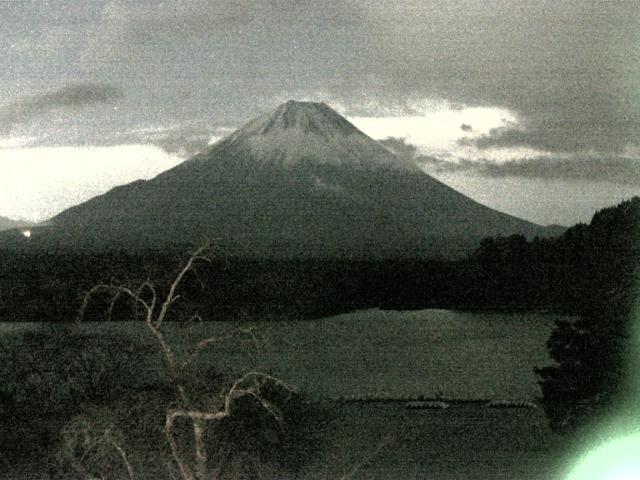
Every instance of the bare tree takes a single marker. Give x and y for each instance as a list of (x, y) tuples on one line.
[(87, 447), (155, 311)]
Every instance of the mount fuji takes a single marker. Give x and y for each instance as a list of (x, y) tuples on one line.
[(300, 181)]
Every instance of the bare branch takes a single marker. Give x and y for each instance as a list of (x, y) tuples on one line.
[(92, 442), (250, 331), (171, 296), (217, 339), (198, 415), (148, 286), (109, 438), (116, 291), (185, 471), (268, 406), (202, 345), (170, 469), (198, 419), (111, 304), (195, 273), (383, 444), (201, 451), (235, 387)]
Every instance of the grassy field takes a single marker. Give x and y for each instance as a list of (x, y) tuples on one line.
[(467, 441), (464, 442), (385, 355)]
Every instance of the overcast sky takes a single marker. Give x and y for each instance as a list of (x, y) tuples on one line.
[(529, 107)]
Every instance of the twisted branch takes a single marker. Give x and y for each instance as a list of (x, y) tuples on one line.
[(199, 417), (171, 296)]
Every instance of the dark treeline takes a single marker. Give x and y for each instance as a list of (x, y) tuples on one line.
[(560, 274), (49, 286)]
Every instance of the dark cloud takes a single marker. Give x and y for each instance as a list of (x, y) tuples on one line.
[(400, 147), (619, 170), (616, 170), (504, 137), (74, 96), (184, 141), (405, 152), (568, 69), (551, 135), (409, 153)]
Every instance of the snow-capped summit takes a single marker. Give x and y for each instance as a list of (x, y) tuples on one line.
[(308, 117), (309, 132)]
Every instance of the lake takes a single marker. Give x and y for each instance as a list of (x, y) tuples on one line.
[(372, 353)]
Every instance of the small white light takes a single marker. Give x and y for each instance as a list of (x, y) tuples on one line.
[(26, 233)]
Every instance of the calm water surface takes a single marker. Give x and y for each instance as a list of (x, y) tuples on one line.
[(373, 352)]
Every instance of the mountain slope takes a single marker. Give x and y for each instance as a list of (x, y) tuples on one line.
[(301, 181)]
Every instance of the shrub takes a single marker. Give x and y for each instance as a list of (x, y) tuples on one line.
[(47, 375)]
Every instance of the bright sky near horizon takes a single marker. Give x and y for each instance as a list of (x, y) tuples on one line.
[(528, 107)]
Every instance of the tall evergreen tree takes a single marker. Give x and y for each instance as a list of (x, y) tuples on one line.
[(592, 352)]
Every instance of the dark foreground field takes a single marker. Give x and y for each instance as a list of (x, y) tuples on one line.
[(367, 354), (465, 441)]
